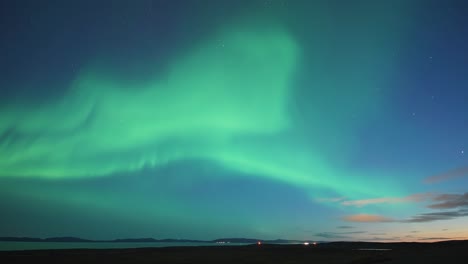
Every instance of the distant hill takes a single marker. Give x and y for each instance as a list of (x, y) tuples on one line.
[(76, 239), (50, 239), (167, 240), (277, 242), (237, 240), (149, 240), (66, 239)]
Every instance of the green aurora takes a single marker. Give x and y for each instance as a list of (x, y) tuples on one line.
[(230, 111)]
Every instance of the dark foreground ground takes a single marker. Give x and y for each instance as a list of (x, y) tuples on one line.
[(442, 252)]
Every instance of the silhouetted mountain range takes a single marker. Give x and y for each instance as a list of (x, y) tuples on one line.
[(144, 240), (49, 239), (320, 244)]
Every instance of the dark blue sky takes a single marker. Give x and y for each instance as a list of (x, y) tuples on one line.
[(205, 119)]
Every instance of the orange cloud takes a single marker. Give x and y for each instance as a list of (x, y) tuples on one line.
[(418, 197), (367, 218)]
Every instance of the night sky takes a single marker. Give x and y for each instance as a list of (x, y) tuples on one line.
[(201, 119)]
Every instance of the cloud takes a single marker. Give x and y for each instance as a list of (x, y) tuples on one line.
[(453, 174), (367, 218), (383, 239), (441, 201), (345, 227), (436, 238), (450, 201), (418, 197), (436, 216)]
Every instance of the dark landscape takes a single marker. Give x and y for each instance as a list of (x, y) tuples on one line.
[(334, 252)]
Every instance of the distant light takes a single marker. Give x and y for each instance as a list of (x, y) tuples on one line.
[(259, 243), (306, 243), (315, 243)]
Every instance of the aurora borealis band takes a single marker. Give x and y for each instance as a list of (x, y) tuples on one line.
[(323, 120)]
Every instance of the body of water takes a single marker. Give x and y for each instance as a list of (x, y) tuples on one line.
[(9, 246)]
